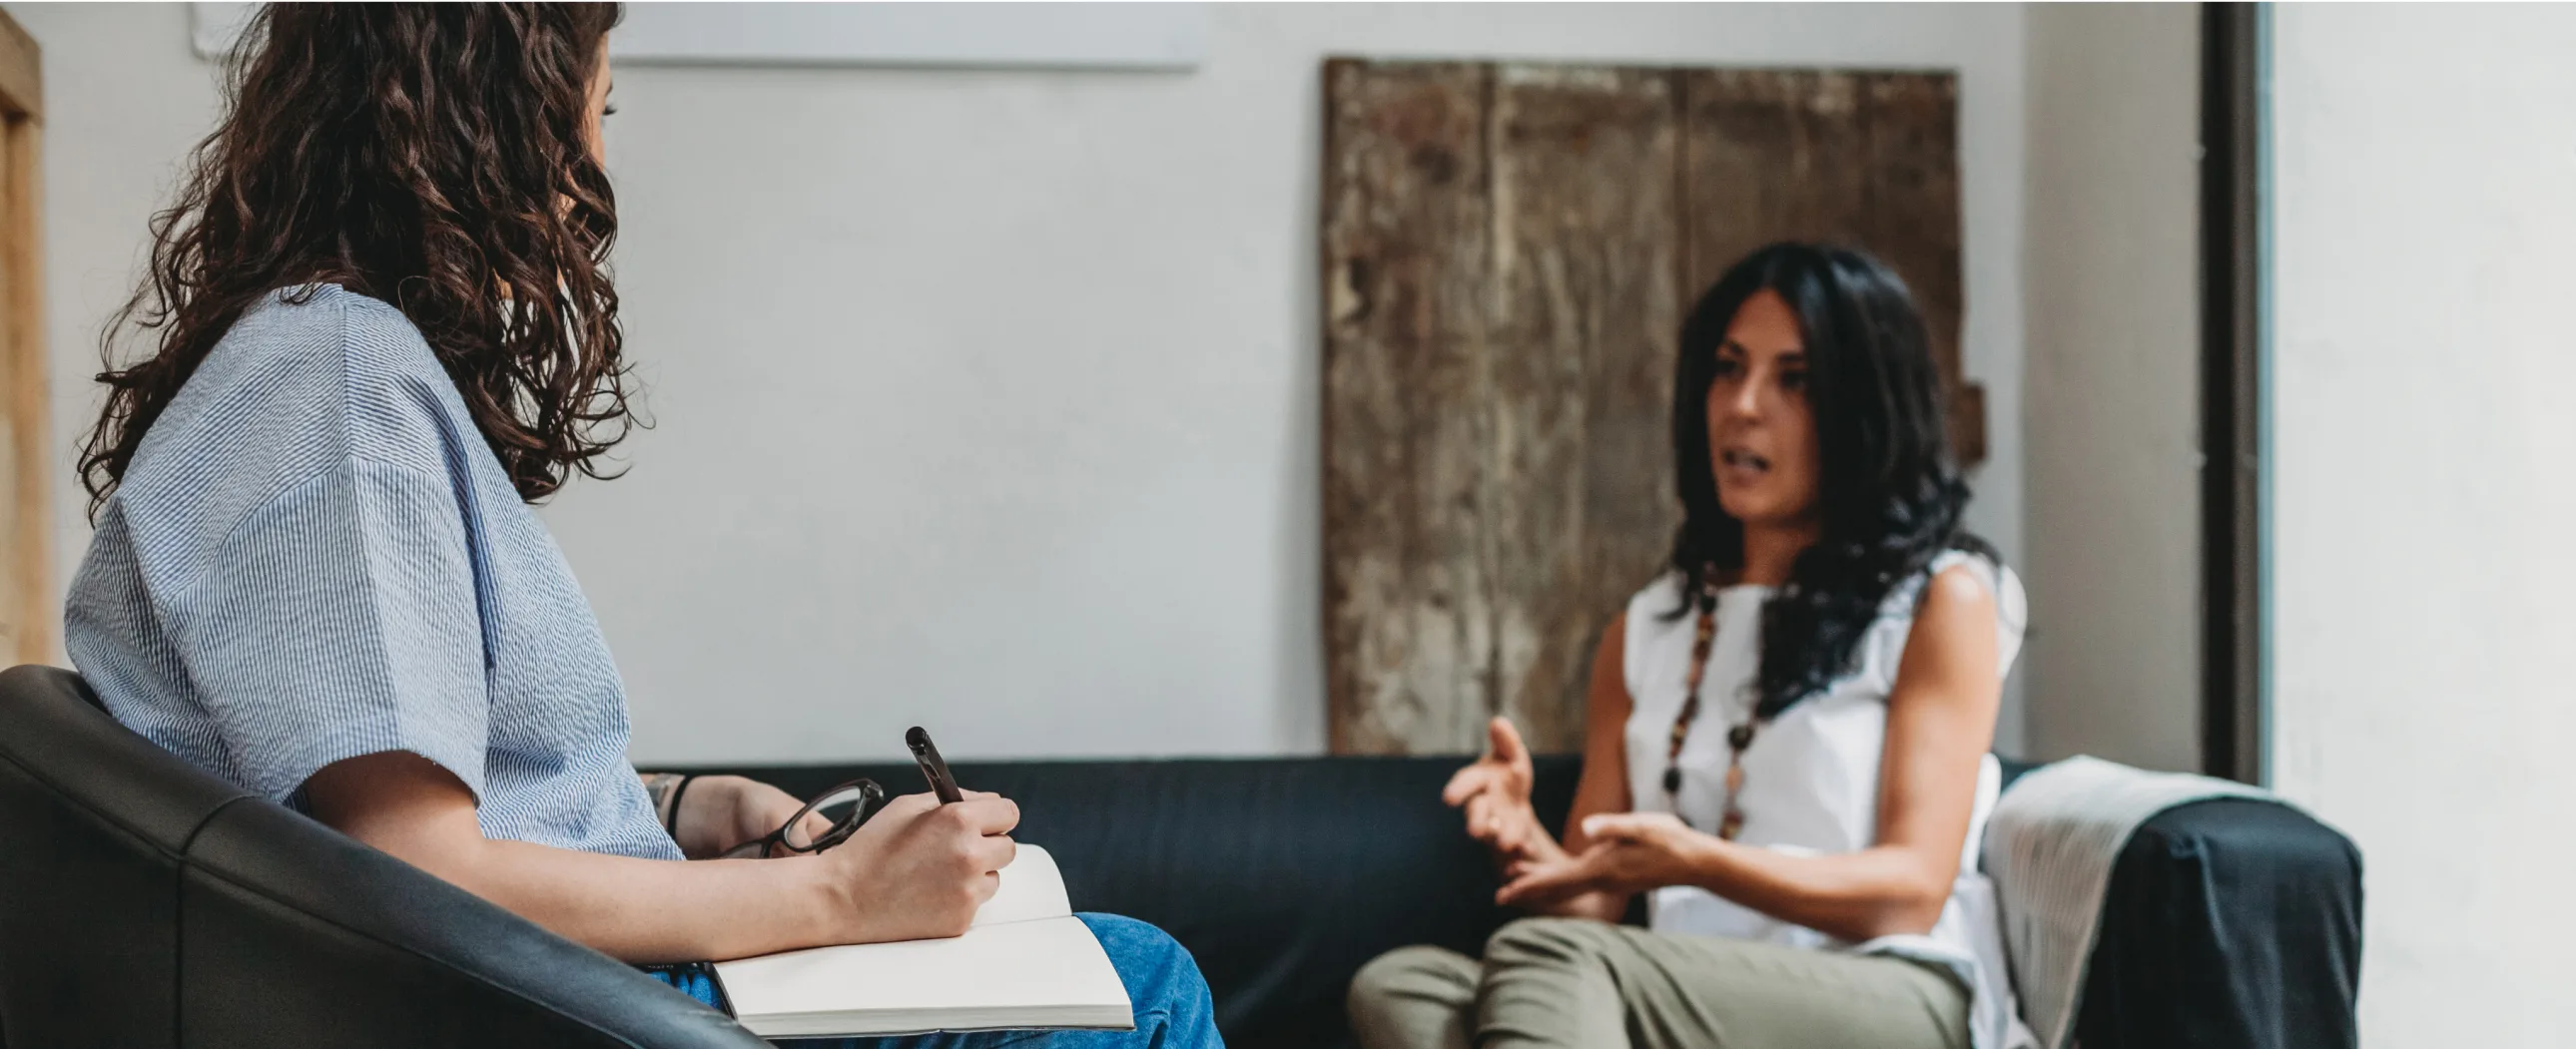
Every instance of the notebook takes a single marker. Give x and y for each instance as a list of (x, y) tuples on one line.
[(1025, 962)]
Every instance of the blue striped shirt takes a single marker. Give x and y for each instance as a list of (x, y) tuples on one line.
[(314, 556)]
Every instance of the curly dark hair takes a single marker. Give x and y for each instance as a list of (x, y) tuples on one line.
[(434, 156), (1890, 496)]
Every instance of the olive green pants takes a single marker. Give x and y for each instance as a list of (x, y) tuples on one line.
[(1569, 982)]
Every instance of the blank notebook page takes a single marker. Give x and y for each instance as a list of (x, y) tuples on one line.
[(1027, 962)]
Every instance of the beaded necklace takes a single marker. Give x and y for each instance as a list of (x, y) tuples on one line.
[(1738, 737)]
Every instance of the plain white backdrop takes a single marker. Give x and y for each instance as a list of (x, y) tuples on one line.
[(2111, 378), (988, 399), (2424, 475)]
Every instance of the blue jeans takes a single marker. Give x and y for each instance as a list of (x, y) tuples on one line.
[(1164, 987)]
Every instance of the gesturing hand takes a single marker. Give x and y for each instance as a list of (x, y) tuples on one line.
[(1630, 852), (1495, 792)]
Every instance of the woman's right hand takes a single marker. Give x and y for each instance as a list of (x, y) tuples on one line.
[(1495, 792), (918, 869)]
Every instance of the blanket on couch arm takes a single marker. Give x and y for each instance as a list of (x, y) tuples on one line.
[(2050, 848)]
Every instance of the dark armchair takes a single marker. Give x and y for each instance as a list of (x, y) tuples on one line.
[(144, 903)]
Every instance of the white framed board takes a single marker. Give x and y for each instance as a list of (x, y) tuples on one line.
[(1167, 37)]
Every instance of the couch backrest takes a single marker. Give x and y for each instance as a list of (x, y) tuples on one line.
[(1281, 875), (146, 903)]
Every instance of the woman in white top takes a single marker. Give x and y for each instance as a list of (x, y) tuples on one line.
[(1787, 739)]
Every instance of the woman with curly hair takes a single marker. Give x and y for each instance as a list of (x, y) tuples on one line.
[(1786, 746), (380, 325)]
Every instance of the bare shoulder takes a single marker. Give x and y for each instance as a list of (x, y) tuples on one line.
[(1957, 602), (1960, 588), (1954, 626)]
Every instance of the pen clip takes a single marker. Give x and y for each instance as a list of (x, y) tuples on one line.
[(933, 768)]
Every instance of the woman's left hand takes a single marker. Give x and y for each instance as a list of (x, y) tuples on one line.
[(720, 812), (1629, 852)]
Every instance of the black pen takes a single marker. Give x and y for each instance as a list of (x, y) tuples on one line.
[(933, 769)]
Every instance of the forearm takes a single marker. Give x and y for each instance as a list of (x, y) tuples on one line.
[(647, 910), (640, 910), (1854, 896), (919, 869)]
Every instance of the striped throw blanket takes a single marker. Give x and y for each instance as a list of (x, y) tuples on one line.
[(2049, 849)]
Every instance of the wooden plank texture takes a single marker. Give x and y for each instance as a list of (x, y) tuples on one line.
[(1913, 223), (1406, 215), (28, 617), (1507, 253), (1863, 159), (1582, 344), (22, 81), (1768, 156)]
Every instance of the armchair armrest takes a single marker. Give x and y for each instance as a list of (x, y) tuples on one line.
[(2231, 923)]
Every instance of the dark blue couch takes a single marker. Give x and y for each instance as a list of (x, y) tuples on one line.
[(2230, 924)]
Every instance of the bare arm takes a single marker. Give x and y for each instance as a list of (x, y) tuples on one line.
[(1604, 786), (717, 813), (1940, 722), (917, 870)]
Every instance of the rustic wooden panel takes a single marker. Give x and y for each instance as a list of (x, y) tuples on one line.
[(27, 616), (1767, 156), (22, 81), (1507, 250), (1864, 159), (1576, 503), (1406, 218), (1913, 223)]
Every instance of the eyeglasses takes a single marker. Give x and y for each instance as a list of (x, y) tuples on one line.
[(845, 806)]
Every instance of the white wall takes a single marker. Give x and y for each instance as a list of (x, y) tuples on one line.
[(2424, 478), (2110, 383), (989, 399)]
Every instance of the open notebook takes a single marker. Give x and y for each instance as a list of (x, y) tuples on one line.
[(1026, 962)]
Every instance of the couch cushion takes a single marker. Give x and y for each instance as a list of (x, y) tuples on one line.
[(1282, 876)]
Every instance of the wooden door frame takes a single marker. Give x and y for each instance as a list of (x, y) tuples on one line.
[(22, 349), (2233, 392)]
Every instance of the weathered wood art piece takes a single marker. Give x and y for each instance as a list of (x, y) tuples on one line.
[(30, 616), (1507, 253)]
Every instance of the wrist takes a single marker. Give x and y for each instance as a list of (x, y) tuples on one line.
[(1704, 859), (702, 813), (825, 903), (662, 789)]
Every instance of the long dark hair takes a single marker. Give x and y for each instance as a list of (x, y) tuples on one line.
[(1889, 494), (434, 156)]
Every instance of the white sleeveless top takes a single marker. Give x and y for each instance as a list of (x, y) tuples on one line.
[(1811, 775)]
